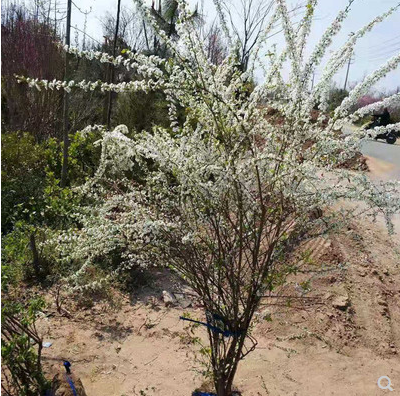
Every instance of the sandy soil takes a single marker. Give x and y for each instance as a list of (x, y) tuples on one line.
[(339, 342)]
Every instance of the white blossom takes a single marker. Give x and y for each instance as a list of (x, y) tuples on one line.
[(265, 143)]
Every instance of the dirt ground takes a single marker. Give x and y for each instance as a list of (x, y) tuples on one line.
[(337, 339)]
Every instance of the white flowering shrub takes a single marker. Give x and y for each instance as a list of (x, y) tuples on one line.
[(219, 196)]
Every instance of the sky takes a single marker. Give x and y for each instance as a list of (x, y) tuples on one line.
[(377, 46)]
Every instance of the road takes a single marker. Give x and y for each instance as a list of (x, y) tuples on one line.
[(386, 155), (383, 159), (384, 164)]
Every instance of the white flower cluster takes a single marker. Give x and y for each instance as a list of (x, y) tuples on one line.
[(391, 101), (137, 85), (388, 128), (254, 153), (363, 87)]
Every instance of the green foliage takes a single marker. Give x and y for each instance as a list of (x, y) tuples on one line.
[(58, 204), (26, 313), (34, 204), (336, 96), (141, 111), (364, 120), (84, 156), (22, 177), (16, 257), (30, 187)]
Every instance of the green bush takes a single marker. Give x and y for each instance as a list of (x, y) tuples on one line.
[(34, 204), (30, 185), (84, 156), (336, 96), (22, 177), (141, 111), (16, 257)]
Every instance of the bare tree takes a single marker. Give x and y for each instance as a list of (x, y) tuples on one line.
[(38, 55), (252, 15), (247, 21), (132, 30), (215, 45), (123, 31)]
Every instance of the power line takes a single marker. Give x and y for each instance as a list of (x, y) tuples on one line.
[(386, 54), (379, 54), (79, 30), (80, 10), (383, 42), (385, 49), (381, 50)]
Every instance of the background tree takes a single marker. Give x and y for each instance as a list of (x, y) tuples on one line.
[(131, 30), (111, 67), (215, 45), (38, 55), (336, 96), (166, 15)]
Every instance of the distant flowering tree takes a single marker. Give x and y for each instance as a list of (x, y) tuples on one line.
[(220, 196), (366, 100)]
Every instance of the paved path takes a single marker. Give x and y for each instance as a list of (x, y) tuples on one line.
[(384, 164), (388, 154), (383, 158)]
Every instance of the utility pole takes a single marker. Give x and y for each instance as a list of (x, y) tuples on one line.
[(347, 72), (64, 170), (110, 94)]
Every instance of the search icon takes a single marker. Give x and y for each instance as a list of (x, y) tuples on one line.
[(389, 383)]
